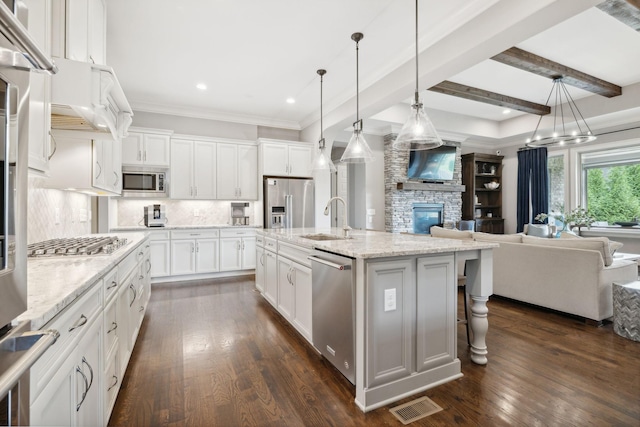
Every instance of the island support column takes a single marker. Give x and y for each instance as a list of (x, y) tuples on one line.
[(479, 279)]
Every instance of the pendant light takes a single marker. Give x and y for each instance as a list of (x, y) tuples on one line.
[(418, 133), (322, 161), (561, 133), (357, 150)]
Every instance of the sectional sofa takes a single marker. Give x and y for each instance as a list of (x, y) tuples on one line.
[(569, 275)]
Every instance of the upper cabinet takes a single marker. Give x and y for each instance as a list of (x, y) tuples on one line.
[(39, 27), (282, 158), (237, 172), (146, 148), (192, 169), (79, 30)]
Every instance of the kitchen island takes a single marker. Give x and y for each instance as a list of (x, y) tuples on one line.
[(407, 344)]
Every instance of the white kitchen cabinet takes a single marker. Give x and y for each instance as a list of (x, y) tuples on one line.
[(94, 165), (285, 158), (39, 27), (194, 251), (107, 166), (193, 166), (271, 277), (302, 314), (237, 249), (73, 395), (126, 330), (160, 247), (80, 30), (146, 148), (286, 290), (260, 263), (237, 172)]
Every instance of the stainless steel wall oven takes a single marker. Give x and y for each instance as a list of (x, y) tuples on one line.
[(19, 349)]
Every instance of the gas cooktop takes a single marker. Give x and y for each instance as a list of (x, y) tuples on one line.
[(99, 245)]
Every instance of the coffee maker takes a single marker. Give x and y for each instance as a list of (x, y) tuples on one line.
[(155, 216), (239, 213)]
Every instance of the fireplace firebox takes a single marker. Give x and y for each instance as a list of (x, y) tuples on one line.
[(426, 215)]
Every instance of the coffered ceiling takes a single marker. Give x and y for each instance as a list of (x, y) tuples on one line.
[(253, 54)]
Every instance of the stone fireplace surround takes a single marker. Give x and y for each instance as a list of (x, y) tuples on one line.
[(401, 194)]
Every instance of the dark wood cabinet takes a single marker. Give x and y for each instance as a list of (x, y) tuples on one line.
[(479, 203)]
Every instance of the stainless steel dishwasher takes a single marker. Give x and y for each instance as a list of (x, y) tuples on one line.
[(333, 283)]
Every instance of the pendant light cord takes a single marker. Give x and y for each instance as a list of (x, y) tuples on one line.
[(357, 84), (321, 126), (416, 94)]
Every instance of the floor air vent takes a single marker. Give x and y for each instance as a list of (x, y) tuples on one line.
[(414, 410)]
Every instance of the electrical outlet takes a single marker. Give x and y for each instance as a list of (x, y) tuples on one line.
[(56, 215), (196, 212), (389, 299), (83, 215)]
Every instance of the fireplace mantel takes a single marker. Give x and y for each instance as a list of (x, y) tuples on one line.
[(429, 186)]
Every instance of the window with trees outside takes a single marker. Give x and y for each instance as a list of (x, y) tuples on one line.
[(611, 184), (555, 166)]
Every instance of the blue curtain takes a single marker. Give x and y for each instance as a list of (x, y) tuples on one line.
[(533, 184)]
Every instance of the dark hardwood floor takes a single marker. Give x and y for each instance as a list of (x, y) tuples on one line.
[(214, 353)]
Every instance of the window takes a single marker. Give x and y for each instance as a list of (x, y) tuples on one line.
[(611, 184), (555, 165)]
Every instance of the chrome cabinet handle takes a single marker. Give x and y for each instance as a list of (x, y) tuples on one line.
[(149, 263), (113, 285), (55, 146), (243, 245), (135, 294), (193, 248), (197, 247), (141, 309), (144, 157), (113, 328), (115, 383), (80, 322), (86, 388), (84, 360), (117, 177), (262, 259), (139, 157), (100, 172), (196, 191)]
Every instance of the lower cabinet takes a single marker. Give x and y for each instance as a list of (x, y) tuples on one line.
[(418, 285), (260, 260), (160, 245), (73, 395), (76, 382), (194, 251), (237, 249), (271, 277)]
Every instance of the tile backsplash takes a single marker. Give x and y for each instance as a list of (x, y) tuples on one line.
[(54, 213), (129, 212)]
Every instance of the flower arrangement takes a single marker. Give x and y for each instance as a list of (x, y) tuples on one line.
[(578, 217)]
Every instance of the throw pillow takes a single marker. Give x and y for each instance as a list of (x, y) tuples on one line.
[(538, 230), (614, 246), (600, 244), (445, 233), (506, 238)]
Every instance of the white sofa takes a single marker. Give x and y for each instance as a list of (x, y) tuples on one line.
[(569, 275)]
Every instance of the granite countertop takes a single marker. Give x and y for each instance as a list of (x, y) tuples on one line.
[(55, 282), (375, 244), (177, 227)]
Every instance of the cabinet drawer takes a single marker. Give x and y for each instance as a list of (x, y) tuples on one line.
[(260, 240), (237, 232), (129, 263), (194, 234), (110, 285), (270, 244), (295, 253), (71, 324), (111, 384), (159, 235), (110, 327)]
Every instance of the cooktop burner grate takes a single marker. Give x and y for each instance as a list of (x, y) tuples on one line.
[(99, 245)]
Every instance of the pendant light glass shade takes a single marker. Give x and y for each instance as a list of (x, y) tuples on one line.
[(322, 161), (357, 151), (418, 133)]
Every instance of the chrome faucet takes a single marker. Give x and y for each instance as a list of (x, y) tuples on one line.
[(345, 227)]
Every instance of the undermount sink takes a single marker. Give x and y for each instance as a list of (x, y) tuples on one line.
[(322, 236)]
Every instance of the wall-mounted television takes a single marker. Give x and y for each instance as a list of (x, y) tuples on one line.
[(432, 165)]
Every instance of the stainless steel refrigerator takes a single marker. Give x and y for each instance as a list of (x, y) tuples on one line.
[(288, 203)]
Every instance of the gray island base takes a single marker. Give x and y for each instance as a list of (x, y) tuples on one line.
[(405, 305)]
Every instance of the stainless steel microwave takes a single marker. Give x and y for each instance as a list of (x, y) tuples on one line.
[(145, 182)]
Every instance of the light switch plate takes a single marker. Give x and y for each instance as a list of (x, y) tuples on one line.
[(389, 299)]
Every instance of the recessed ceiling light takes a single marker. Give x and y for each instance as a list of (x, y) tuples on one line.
[(506, 111), (201, 86), (291, 101)]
